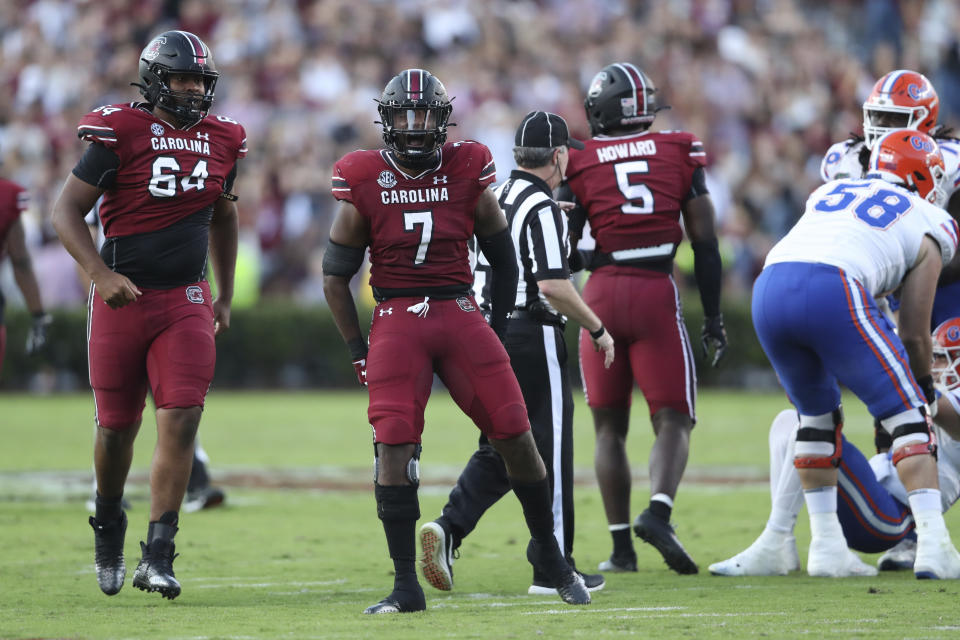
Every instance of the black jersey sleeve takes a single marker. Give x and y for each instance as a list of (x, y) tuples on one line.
[(98, 166)]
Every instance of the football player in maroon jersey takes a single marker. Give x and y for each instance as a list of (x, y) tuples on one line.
[(415, 204), (13, 202), (165, 168), (633, 185)]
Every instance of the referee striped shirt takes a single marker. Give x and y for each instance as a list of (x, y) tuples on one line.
[(539, 231)]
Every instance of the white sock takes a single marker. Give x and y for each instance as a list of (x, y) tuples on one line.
[(782, 521), (925, 505), (821, 500), (664, 498), (619, 527), (826, 525)]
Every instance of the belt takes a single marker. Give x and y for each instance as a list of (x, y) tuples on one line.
[(542, 318)]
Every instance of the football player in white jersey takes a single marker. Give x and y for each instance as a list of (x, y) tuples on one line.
[(873, 509), (905, 98), (815, 312)]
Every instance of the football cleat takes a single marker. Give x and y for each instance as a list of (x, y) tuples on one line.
[(829, 557), (660, 534), (543, 587), (203, 498), (571, 588), (899, 557), (619, 563), (936, 560), (437, 555), (548, 561), (400, 602), (108, 553), (771, 554), (155, 570)]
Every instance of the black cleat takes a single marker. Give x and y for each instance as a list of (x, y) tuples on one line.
[(660, 534), (542, 586), (108, 553), (619, 563), (206, 497), (567, 581), (155, 571), (400, 602)]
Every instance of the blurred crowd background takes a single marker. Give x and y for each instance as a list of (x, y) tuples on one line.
[(767, 85)]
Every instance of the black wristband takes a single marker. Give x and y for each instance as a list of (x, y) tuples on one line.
[(926, 384), (599, 332), (358, 348)]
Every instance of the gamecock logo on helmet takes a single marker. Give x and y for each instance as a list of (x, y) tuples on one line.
[(153, 49)]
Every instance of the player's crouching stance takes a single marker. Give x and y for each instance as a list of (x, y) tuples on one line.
[(873, 509), (165, 170)]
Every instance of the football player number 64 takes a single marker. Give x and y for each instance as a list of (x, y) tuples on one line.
[(635, 193), (163, 183)]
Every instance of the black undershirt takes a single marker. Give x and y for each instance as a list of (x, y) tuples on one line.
[(163, 259)]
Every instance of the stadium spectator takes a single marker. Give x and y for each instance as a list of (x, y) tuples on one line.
[(166, 170), (545, 298), (415, 204), (633, 185)]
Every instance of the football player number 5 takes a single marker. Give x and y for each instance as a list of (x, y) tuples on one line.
[(638, 195), (163, 183), (411, 219)]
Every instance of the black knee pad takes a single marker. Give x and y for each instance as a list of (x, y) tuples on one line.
[(397, 502)]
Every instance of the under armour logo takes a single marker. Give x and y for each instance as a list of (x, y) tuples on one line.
[(386, 312), (439, 179), (203, 136)]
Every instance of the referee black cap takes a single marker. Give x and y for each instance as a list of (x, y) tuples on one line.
[(545, 130)]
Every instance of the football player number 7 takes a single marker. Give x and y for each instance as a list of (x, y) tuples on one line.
[(638, 195), (411, 219)]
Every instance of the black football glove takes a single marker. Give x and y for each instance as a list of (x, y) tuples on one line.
[(714, 335), (37, 336)]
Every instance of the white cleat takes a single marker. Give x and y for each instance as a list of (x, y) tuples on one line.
[(899, 557), (831, 558), (936, 560), (772, 554)]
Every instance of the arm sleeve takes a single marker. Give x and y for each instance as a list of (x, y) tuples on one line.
[(98, 166), (499, 251), (708, 270)]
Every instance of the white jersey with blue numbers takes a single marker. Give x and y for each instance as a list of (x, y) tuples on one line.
[(870, 228), (842, 162)]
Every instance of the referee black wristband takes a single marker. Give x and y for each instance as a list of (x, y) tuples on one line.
[(599, 332)]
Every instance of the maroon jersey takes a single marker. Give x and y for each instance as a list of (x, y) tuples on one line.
[(165, 174), (13, 202), (419, 225), (632, 188)]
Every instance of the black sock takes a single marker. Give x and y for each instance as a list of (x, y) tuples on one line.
[(535, 499), (661, 509), (199, 478), (164, 528), (399, 509), (622, 542), (108, 509)]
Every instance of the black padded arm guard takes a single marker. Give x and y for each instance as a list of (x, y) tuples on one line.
[(499, 251), (341, 260), (708, 270)]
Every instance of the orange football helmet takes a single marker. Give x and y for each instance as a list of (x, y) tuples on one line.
[(912, 159), (902, 99), (946, 354)]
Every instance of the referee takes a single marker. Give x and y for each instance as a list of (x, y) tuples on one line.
[(538, 352)]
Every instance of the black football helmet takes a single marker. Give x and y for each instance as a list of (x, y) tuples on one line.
[(414, 110), (620, 96), (177, 52)]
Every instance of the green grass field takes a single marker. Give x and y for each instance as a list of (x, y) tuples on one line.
[(298, 551)]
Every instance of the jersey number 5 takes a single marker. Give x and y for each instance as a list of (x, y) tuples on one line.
[(410, 221), (163, 183), (634, 193)]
